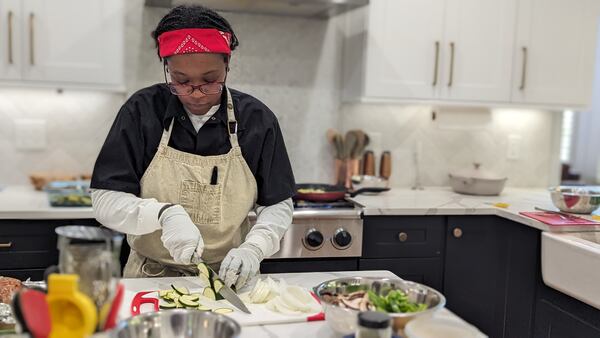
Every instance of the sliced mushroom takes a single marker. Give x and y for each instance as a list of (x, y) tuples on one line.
[(356, 294), (352, 303), (364, 302)]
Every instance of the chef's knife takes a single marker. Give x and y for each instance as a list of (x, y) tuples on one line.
[(227, 293)]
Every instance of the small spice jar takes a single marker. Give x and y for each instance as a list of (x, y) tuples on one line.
[(372, 324)]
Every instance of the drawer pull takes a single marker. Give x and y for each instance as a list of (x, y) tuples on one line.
[(5, 245), (457, 232), (403, 236)]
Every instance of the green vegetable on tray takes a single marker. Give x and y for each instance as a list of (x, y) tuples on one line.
[(395, 301), (180, 297)]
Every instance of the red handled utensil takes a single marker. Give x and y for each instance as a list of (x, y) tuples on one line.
[(139, 299)]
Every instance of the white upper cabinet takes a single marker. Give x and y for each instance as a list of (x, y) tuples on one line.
[(68, 43), (404, 41), (555, 54), (10, 39), (533, 52), (478, 40)]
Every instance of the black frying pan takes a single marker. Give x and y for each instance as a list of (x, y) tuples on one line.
[(328, 193)]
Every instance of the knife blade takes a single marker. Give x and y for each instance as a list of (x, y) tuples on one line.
[(228, 293)]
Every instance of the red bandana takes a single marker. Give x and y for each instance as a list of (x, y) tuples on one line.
[(194, 40)]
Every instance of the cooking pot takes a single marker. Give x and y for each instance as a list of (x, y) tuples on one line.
[(476, 181)]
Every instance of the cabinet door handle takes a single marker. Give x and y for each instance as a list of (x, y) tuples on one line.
[(436, 63), (451, 77), (457, 232), (524, 73), (5, 245), (31, 39), (403, 236), (10, 38)]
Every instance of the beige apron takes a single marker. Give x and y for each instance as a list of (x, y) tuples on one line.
[(219, 211)]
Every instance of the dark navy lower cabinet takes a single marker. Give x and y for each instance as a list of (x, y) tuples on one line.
[(409, 246), (30, 246), (308, 265), (560, 316), (490, 274)]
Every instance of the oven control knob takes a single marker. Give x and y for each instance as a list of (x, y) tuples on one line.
[(313, 239), (341, 239)]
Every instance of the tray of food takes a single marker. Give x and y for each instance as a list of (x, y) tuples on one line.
[(69, 193)]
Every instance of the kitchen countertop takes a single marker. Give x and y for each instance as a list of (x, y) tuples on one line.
[(443, 201), (299, 330), (24, 202)]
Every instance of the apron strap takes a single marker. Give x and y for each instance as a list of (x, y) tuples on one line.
[(231, 125), (166, 135), (231, 122)]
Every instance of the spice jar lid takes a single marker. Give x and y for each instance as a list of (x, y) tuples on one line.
[(374, 320)]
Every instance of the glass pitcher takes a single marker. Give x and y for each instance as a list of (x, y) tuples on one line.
[(93, 254)]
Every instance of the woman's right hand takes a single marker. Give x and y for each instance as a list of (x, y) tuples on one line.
[(181, 236)]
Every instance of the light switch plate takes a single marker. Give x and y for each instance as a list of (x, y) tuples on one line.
[(30, 134)]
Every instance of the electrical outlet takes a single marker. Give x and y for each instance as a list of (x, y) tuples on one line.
[(513, 150), (30, 134)]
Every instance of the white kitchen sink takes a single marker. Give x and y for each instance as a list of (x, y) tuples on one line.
[(571, 264)]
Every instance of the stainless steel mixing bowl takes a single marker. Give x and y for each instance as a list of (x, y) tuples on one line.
[(344, 320), (177, 324), (576, 199)]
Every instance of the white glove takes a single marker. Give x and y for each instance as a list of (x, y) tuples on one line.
[(240, 264), (181, 236)]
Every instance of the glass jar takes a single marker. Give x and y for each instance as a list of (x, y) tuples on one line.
[(372, 324)]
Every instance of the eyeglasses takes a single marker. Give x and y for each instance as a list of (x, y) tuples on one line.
[(184, 89)]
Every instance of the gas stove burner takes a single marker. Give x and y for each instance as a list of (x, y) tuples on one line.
[(341, 204)]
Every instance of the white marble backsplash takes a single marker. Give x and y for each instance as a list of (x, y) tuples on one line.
[(451, 143), (294, 66)]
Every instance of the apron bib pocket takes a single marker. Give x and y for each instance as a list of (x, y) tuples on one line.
[(201, 201)]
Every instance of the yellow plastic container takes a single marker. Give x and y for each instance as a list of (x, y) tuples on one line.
[(72, 313)]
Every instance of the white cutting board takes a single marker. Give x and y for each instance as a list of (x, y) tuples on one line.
[(260, 315)]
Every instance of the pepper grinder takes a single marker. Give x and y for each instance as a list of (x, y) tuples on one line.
[(385, 165)]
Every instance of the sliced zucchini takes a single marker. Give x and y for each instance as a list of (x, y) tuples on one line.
[(180, 290), (169, 295), (178, 303), (205, 280), (218, 284), (209, 293), (193, 297), (188, 303), (204, 270), (203, 308), (222, 310), (167, 306), (163, 293)]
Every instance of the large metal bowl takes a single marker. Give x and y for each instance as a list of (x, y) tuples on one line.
[(177, 324), (576, 199), (344, 320)]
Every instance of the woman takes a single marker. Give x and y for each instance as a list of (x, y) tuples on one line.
[(185, 161)]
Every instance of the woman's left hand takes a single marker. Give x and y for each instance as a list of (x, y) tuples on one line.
[(240, 264)]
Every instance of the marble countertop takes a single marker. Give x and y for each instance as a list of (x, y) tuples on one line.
[(23, 202), (297, 330), (443, 201)]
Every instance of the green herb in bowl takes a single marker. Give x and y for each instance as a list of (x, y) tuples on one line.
[(395, 301)]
